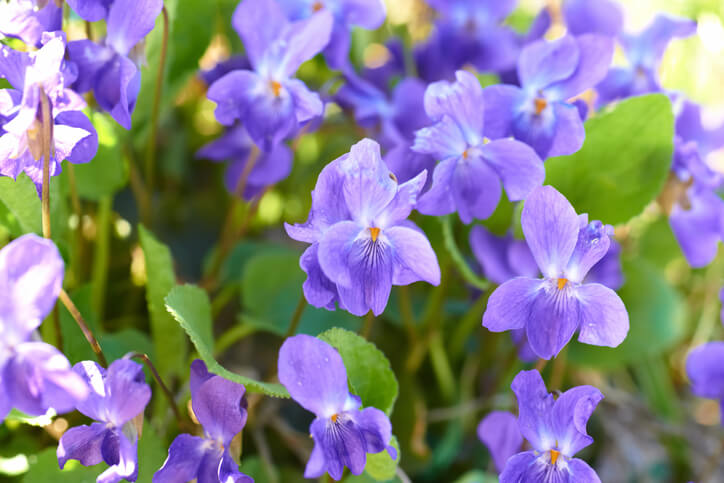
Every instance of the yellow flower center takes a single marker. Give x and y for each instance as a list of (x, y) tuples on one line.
[(276, 88), (334, 418), (374, 233), (562, 283), (554, 456), (317, 6), (540, 104)]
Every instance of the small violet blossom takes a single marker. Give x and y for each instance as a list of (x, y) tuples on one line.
[(220, 407), (705, 369), (237, 147), (118, 396), (35, 75), (314, 374), (34, 376), (367, 14), (603, 17), (471, 168), (270, 103), (556, 430), (551, 309), (110, 69), (696, 211), (643, 52), (540, 113), (362, 242), (27, 20)]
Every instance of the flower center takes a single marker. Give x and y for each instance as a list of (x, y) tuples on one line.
[(276, 88), (554, 456), (540, 104), (374, 233), (562, 283), (317, 6), (335, 416)]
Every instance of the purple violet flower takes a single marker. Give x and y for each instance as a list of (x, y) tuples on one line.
[(705, 369), (471, 168), (220, 407), (314, 374), (27, 20), (21, 146), (551, 309), (367, 14), (118, 396), (697, 212), (110, 69), (362, 242), (644, 52), (603, 17), (34, 376), (237, 147), (499, 432), (539, 112), (269, 102), (555, 428)]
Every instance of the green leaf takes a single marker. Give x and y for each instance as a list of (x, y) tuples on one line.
[(40, 421), (656, 314), (368, 370), (381, 466), (271, 288), (168, 339), (120, 343), (44, 468), (21, 205), (106, 174), (623, 163), (190, 306)]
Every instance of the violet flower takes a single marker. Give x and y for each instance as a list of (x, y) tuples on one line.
[(314, 374), (236, 147), (27, 20), (362, 242), (21, 146), (110, 68), (551, 73), (603, 17), (555, 428), (697, 212), (269, 102), (705, 369), (471, 168), (118, 395), (220, 407), (644, 51), (34, 376), (367, 14), (551, 309), (499, 432)]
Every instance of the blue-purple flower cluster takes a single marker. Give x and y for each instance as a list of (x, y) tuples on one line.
[(444, 145)]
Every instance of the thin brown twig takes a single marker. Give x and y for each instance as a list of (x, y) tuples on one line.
[(75, 313), (143, 357), (151, 153)]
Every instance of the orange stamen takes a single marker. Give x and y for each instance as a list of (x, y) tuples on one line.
[(465, 154), (276, 88), (317, 6), (540, 104), (554, 456), (374, 233), (562, 283), (334, 418)]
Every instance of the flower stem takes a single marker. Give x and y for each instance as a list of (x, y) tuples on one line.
[(296, 317), (151, 153), (47, 142), (457, 257), (75, 313), (157, 377), (367, 327)]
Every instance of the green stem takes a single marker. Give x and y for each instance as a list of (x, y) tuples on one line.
[(367, 326), (157, 377), (101, 255), (47, 143), (441, 366), (408, 317), (296, 317), (457, 257), (75, 313), (151, 154)]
